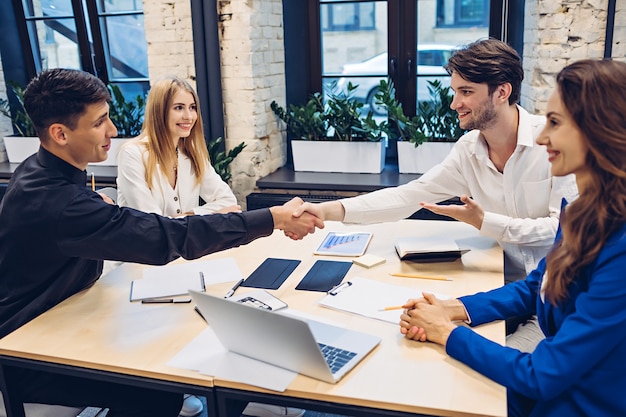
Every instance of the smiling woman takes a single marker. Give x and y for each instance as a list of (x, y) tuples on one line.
[(166, 169)]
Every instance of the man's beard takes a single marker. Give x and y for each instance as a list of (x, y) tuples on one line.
[(486, 117)]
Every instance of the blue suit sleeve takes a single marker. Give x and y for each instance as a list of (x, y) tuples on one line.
[(586, 350)]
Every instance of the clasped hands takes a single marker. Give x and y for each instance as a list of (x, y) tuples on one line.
[(430, 319), (295, 227)]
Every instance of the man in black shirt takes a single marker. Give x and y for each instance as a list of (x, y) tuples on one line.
[(56, 232)]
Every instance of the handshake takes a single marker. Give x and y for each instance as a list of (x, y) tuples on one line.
[(297, 218)]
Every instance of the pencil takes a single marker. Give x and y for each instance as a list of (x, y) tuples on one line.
[(401, 274), (392, 308), (93, 182)]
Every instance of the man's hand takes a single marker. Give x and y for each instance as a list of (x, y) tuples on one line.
[(107, 199), (470, 212), (329, 210), (294, 227)]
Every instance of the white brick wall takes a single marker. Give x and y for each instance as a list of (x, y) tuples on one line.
[(556, 33)]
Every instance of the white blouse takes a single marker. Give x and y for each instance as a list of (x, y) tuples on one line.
[(133, 191)]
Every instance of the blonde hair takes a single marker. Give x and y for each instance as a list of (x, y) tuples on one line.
[(161, 149)]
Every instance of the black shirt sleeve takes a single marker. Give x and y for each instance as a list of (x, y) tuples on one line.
[(90, 228)]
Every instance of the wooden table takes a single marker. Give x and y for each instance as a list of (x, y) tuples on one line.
[(99, 333)]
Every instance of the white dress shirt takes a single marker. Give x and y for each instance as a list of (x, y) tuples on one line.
[(522, 203), (162, 199)]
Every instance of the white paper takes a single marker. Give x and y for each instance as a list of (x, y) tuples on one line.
[(369, 298), (206, 355), (177, 279)]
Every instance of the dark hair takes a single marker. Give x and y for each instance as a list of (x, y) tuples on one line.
[(592, 93), (61, 96), (489, 61)]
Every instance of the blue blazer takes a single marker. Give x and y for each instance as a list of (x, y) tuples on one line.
[(580, 367)]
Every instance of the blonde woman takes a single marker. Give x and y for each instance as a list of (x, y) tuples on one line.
[(166, 169)]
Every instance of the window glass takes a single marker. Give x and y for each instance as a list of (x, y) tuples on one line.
[(47, 8), (55, 43), (111, 6), (348, 16), (127, 47), (354, 45)]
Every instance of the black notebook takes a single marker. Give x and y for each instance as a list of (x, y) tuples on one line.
[(271, 273), (324, 275)]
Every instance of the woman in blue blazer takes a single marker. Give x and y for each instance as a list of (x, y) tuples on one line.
[(578, 291)]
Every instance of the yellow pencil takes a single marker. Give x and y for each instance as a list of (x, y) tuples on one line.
[(401, 274), (392, 308), (93, 182)]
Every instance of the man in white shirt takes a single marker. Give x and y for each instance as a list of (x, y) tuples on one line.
[(514, 198)]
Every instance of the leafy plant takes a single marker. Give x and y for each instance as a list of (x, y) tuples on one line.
[(220, 159), (19, 118), (435, 121), (338, 119), (127, 116), (305, 122)]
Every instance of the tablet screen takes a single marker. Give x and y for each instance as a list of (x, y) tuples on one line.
[(344, 244)]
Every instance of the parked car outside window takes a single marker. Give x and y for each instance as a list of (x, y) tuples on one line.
[(430, 61)]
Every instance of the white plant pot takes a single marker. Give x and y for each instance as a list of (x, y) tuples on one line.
[(19, 148), (412, 160), (334, 156)]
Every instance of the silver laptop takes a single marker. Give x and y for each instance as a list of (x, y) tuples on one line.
[(311, 348)]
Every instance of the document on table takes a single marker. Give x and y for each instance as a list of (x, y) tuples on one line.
[(177, 279), (369, 298)]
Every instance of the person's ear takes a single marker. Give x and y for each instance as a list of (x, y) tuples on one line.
[(503, 92), (56, 132)]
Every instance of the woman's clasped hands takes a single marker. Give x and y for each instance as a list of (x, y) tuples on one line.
[(430, 319)]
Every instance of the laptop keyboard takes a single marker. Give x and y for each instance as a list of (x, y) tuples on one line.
[(336, 357)]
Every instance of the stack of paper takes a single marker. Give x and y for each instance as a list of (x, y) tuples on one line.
[(177, 279)]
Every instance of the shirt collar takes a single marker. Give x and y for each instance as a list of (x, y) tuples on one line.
[(525, 134), (51, 161)]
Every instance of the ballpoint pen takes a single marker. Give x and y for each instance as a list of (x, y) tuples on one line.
[(337, 288), (93, 182), (202, 281), (232, 290), (166, 300)]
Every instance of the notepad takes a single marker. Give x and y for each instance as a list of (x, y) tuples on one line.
[(369, 298), (428, 249), (344, 244), (177, 279)]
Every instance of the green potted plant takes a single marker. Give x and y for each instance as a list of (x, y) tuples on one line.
[(220, 159), (425, 139), (25, 141), (333, 135)]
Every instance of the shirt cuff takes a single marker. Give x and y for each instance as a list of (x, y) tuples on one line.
[(259, 222), (493, 225)]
